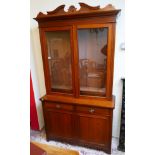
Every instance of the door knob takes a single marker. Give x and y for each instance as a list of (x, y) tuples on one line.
[(58, 106)]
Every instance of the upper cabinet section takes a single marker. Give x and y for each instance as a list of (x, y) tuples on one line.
[(78, 50)]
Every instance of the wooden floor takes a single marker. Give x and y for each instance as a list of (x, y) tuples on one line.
[(52, 150)]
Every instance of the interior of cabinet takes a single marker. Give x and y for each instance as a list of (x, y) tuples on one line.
[(92, 48), (92, 53), (59, 60)]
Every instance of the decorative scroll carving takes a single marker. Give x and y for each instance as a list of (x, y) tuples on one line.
[(72, 9), (59, 10), (84, 8), (40, 14)]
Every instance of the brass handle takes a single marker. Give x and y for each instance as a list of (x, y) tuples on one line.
[(91, 110), (58, 106), (49, 58)]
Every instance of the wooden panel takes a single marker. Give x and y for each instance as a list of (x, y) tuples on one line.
[(69, 22), (76, 71), (110, 60), (59, 106), (45, 60), (93, 129), (59, 124), (93, 110), (84, 26)]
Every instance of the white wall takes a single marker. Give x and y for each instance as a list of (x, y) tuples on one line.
[(36, 59), (35, 68)]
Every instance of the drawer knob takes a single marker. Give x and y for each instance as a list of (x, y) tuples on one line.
[(91, 110), (58, 106)]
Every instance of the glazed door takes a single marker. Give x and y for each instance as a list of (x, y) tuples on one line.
[(93, 56), (78, 60), (58, 60)]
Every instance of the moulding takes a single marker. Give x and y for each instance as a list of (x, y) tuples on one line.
[(84, 9)]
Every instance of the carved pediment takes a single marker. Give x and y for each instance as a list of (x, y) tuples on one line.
[(57, 11), (72, 9), (84, 9)]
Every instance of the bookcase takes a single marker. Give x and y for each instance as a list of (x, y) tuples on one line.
[(78, 60)]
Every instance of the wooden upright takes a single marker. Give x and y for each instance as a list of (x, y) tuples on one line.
[(78, 60)]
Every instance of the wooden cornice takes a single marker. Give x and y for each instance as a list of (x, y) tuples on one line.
[(84, 11)]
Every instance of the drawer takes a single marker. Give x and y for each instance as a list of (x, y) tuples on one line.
[(93, 110), (59, 106)]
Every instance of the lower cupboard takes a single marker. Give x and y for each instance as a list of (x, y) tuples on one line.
[(79, 125)]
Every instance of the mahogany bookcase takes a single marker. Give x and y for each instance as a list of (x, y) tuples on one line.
[(78, 60)]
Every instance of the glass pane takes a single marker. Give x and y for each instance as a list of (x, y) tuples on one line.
[(59, 59), (92, 60)]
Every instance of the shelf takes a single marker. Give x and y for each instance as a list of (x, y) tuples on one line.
[(92, 89)]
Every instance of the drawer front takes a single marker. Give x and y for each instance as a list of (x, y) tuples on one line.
[(59, 106), (93, 110)]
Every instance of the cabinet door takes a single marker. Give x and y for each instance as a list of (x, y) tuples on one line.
[(93, 49), (93, 129), (59, 124), (58, 59)]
